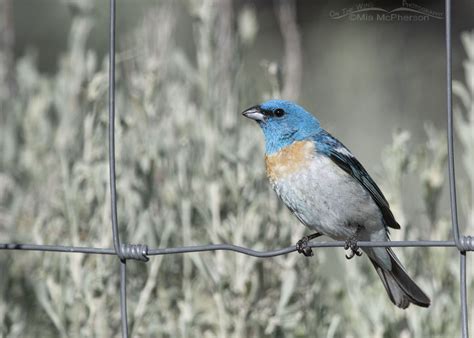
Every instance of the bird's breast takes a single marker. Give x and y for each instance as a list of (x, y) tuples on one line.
[(320, 194), (289, 160)]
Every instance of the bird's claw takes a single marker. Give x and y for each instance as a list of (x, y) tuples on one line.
[(302, 246), (351, 244)]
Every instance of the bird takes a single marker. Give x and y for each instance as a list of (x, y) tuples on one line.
[(329, 191)]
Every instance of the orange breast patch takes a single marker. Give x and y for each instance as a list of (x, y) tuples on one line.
[(290, 159)]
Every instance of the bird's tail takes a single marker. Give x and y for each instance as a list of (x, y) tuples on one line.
[(401, 289)]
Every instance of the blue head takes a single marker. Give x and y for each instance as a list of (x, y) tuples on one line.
[(283, 122)]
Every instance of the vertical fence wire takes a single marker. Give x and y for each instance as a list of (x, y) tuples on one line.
[(452, 175), (463, 286), (113, 190), (449, 102), (123, 297)]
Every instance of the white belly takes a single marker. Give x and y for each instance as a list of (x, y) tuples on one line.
[(328, 200)]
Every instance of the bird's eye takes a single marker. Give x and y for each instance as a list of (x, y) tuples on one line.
[(279, 112)]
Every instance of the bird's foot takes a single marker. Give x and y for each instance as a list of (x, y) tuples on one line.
[(351, 244), (302, 246)]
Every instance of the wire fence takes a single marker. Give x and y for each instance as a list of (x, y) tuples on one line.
[(141, 252)]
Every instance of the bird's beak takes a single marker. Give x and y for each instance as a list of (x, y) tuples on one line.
[(254, 113)]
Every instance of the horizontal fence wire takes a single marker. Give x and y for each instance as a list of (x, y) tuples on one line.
[(141, 252), (226, 247)]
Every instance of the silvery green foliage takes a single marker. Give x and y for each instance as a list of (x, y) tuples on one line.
[(190, 172)]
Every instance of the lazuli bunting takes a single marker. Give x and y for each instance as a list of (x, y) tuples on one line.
[(329, 191)]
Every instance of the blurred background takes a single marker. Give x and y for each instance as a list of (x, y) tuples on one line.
[(191, 171)]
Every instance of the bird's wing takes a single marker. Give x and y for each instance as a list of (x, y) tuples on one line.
[(341, 156)]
